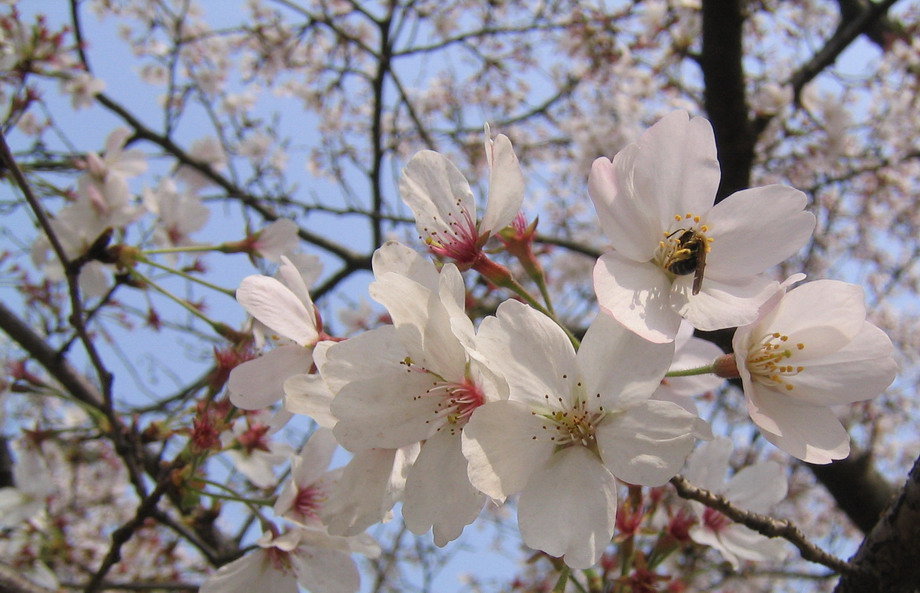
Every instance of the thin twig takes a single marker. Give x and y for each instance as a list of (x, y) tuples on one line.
[(762, 524), (124, 533)]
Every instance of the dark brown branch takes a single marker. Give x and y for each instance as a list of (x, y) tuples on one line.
[(40, 351), (887, 559), (845, 34), (724, 92), (211, 542), (72, 268), (384, 67), (124, 533), (762, 524)]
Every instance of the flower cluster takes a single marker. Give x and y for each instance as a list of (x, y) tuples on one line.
[(443, 416)]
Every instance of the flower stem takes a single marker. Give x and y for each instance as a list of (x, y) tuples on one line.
[(563, 578), (189, 277), (218, 327), (183, 249), (246, 501), (704, 370), (501, 276)]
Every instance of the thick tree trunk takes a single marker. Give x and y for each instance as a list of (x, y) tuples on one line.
[(889, 558)]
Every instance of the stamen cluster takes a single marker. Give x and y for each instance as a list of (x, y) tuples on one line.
[(766, 363)]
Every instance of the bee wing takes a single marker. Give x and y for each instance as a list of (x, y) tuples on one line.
[(698, 272)]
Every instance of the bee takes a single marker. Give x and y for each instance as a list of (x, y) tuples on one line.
[(689, 256)]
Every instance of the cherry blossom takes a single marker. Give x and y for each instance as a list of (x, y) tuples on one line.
[(286, 309), (445, 207), (675, 255), (415, 381), (277, 239), (810, 349), (103, 202), (208, 152), (180, 214), (373, 480), (31, 489), (104, 186), (310, 558), (755, 488), (571, 425), (307, 490), (82, 88), (78, 228), (368, 488), (253, 453)]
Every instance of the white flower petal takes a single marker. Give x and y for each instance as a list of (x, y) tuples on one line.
[(439, 495), (757, 487), (736, 543), (677, 168), (823, 315), (620, 365), (810, 433), (258, 383), (861, 370), (630, 222), (257, 466), (707, 465), (315, 456), (568, 508), (637, 295), (648, 443), (278, 238), (381, 403), (325, 570), (252, 572), (424, 324), (17, 506), (395, 257), (502, 454), (437, 193), (721, 304), (755, 229), (308, 395), (368, 488), (291, 276), (532, 353), (272, 303), (506, 186)]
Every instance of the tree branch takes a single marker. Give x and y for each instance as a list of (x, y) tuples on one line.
[(762, 524), (887, 559), (724, 92), (845, 34)]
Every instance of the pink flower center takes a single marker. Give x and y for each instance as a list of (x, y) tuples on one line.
[(460, 240), (715, 521), (255, 438), (308, 501), (458, 400), (279, 559), (680, 524)]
